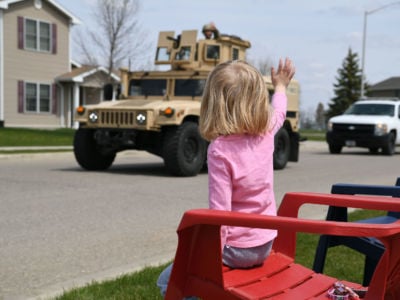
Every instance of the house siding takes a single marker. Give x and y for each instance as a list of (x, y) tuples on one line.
[(32, 66), (92, 96), (95, 80), (384, 93)]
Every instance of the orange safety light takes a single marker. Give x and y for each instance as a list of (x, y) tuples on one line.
[(168, 112), (80, 109)]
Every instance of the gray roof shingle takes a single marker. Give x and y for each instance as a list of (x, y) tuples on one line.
[(392, 83)]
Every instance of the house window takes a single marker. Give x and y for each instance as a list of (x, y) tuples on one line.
[(44, 36), (37, 97), (37, 35)]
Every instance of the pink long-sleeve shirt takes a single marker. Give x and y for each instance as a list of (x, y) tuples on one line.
[(240, 174)]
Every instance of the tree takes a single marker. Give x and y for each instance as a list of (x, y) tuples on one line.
[(320, 116), (116, 39), (348, 87), (263, 65), (306, 120)]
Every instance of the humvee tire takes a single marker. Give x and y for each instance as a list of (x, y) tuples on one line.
[(184, 150), (87, 152), (335, 149), (282, 149)]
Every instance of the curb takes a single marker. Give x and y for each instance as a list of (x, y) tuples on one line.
[(35, 148)]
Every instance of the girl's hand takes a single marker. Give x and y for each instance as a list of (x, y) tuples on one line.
[(281, 78)]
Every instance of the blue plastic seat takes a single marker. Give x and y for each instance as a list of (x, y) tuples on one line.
[(370, 247)]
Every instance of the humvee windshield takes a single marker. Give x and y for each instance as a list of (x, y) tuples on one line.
[(371, 109), (189, 87), (147, 87)]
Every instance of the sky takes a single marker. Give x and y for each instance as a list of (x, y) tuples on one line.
[(315, 34)]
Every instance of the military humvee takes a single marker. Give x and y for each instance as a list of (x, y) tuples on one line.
[(158, 111)]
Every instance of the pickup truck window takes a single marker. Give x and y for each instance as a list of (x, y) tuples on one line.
[(371, 109)]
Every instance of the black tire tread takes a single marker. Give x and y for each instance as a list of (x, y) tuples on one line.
[(172, 150), (87, 154)]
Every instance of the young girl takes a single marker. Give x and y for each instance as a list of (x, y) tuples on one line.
[(237, 119)]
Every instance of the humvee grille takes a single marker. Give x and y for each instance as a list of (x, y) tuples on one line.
[(117, 118)]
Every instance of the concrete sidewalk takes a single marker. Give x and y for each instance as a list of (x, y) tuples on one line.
[(35, 148)]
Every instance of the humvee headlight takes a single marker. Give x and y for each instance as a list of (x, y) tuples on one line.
[(80, 110), (141, 118), (93, 117)]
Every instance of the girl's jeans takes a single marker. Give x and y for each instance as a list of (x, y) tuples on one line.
[(235, 258)]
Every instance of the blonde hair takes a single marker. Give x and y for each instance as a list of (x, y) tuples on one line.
[(235, 101)]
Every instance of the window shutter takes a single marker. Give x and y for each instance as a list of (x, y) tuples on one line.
[(20, 96), (20, 33), (54, 105), (54, 38)]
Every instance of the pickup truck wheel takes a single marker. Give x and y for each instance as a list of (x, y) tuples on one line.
[(335, 149), (87, 152), (184, 150), (390, 148), (282, 149)]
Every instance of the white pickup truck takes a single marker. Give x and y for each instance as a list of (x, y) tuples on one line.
[(372, 123)]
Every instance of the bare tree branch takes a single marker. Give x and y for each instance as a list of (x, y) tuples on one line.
[(116, 37), (264, 65)]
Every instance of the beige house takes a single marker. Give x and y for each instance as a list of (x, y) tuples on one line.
[(39, 86), (82, 85)]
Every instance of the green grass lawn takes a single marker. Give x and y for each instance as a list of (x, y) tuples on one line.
[(14, 137), (139, 285), (341, 262), (313, 135)]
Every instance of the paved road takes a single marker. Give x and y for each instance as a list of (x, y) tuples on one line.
[(61, 226)]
